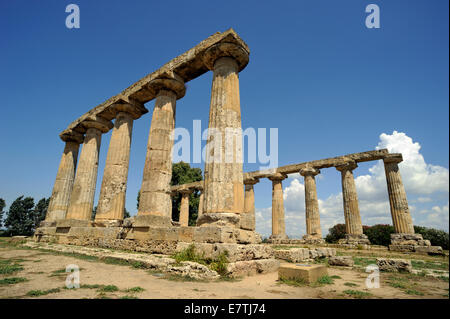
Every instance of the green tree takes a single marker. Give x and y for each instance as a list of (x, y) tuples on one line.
[(20, 218), (435, 236), (335, 233), (183, 173), (379, 234), (40, 210), (2, 206)]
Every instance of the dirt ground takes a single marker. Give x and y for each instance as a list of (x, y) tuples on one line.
[(44, 271)]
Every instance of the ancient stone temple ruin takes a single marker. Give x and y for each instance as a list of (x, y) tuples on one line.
[(226, 218)]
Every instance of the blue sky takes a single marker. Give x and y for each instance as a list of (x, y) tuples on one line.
[(330, 85)]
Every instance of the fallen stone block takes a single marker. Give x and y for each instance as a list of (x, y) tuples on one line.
[(252, 267), (394, 265), (346, 261)]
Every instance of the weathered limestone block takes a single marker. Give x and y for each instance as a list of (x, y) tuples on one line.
[(235, 252), (60, 199), (292, 255), (223, 219), (302, 272), (73, 223), (355, 239), (252, 267), (429, 250), (394, 265), (148, 221), (346, 261)]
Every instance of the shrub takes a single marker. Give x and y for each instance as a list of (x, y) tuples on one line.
[(435, 236), (379, 234), (335, 233)]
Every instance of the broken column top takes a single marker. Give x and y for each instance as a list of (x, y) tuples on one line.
[(187, 66)]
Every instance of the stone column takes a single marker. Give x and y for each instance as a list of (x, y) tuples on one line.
[(200, 204), (184, 207), (111, 204), (313, 230), (155, 190), (353, 225), (224, 189), (278, 226), (83, 192), (248, 218), (59, 201), (401, 216)]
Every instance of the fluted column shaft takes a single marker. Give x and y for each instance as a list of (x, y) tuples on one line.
[(311, 203), (224, 189), (249, 205), (200, 204), (353, 223), (184, 209), (111, 204), (62, 188), (401, 216), (155, 191), (278, 225), (83, 192)]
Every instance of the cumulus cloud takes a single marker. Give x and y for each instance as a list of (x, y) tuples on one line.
[(425, 185)]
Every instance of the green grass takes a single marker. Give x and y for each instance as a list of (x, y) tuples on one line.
[(94, 286), (10, 266), (413, 292), (109, 288), (357, 294), (135, 289), (361, 261), (293, 282), (325, 280), (420, 264), (12, 281), (350, 284), (129, 297), (336, 277), (37, 293), (443, 278), (397, 285)]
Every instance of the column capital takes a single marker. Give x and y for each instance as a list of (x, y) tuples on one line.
[(73, 137), (251, 181), (186, 191), (347, 166), (277, 177), (309, 171), (134, 108), (393, 158), (97, 122), (173, 83), (226, 49)]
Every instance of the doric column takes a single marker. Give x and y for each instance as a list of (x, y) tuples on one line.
[(155, 191), (312, 216), (224, 189), (200, 204), (184, 207), (278, 225), (111, 204), (248, 218), (83, 192), (353, 223), (59, 202), (401, 216)]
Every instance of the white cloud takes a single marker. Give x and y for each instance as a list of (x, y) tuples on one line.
[(425, 184)]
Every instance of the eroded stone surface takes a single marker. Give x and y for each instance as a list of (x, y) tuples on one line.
[(394, 265)]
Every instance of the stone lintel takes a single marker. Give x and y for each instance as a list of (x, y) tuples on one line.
[(393, 158)]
